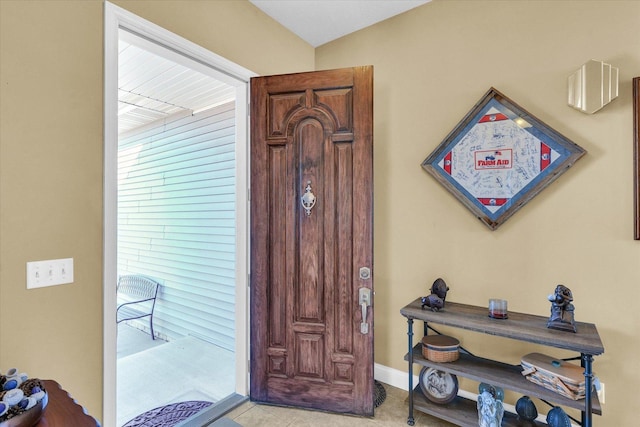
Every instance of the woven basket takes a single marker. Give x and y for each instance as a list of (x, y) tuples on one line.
[(440, 348), (560, 376)]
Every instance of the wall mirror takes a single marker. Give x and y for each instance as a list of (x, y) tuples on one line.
[(636, 157), (592, 86)]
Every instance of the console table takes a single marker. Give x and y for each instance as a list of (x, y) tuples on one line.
[(519, 326), (62, 410)]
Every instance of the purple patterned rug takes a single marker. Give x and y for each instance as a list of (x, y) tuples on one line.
[(168, 415)]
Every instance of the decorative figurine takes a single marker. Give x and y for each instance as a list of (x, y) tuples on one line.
[(562, 310), (436, 299), (496, 392), (433, 301), (558, 418), (440, 288), (526, 409), (490, 410)]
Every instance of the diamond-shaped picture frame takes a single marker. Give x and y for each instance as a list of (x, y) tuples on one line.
[(499, 157)]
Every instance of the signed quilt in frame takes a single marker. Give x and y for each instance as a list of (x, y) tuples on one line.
[(499, 157)]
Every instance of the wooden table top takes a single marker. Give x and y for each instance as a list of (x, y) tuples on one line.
[(518, 326), (62, 410)]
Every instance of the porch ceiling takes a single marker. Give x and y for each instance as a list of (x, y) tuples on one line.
[(152, 87)]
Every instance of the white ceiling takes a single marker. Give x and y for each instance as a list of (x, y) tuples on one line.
[(155, 83), (321, 21)]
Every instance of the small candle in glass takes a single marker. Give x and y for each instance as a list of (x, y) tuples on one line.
[(498, 308)]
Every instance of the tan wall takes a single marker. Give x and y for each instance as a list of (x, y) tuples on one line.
[(431, 65), (51, 145), (51, 190)]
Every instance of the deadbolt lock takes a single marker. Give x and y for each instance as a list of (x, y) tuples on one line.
[(365, 273)]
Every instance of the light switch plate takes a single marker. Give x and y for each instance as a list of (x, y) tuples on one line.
[(49, 273)]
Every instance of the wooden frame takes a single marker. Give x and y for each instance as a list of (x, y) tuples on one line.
[(636, 158), (499, 157)]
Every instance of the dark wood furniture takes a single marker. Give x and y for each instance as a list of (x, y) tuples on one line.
[(62, 410), (519, 326)]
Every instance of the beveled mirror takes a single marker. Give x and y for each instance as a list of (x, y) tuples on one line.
[(636, 158), (592, 86)]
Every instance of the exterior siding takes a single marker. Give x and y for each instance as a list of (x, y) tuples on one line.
[(176, 221)]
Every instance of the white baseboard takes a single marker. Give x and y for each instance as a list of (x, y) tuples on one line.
[(399, 379), (393, 377)]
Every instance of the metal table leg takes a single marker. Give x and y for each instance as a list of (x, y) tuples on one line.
[(586, 362), (410, 420)]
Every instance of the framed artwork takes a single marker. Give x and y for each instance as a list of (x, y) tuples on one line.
[(499, 157), (636, 158)]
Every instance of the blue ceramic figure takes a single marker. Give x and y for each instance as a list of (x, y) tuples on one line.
[(558, 418), (526, 409), (490, 410)]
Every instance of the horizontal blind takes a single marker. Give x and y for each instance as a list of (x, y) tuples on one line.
[(176, 221)]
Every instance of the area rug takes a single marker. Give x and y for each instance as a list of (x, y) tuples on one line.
[(168, 415)]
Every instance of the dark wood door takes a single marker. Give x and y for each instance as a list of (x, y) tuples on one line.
[(311, 136)]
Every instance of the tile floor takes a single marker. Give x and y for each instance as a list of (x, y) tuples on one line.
[(392, 412)]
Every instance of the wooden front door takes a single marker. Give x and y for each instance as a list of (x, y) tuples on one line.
[(311, 234)]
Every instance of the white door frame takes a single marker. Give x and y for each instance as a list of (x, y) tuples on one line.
[(116, 18)]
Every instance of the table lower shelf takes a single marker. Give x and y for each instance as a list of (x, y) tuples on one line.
[(504, 375), (463, 412)]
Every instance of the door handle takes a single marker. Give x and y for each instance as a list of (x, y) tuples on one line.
[(365, 301)]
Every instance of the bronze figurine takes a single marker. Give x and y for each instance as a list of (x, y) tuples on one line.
[(436, 299), (562, 310)]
